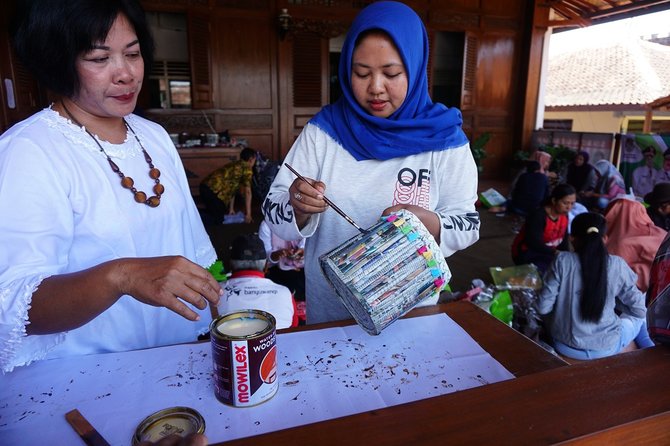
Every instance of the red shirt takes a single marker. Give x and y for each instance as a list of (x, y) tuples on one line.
[(540, 233)]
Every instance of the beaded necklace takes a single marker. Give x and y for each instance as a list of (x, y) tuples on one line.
[(128, 182)]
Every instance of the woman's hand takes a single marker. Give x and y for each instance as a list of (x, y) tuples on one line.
[(307, 199), (168, 282), (67, 301), (275, 256), (296, 254), (429, 218)]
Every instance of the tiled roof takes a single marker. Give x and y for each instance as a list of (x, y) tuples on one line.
[(616, 73)]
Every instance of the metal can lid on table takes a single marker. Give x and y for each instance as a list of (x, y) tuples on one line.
[(174, 420)]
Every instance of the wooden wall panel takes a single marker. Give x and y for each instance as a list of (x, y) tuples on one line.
[(459, 5), (503, 8), (499, 149), (244, 58), (496, 70), (201, 60), (262, 143)]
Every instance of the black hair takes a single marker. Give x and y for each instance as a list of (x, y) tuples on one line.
[(533, 166), (587, 233), (247, 153), (560, 191), (49, 35)]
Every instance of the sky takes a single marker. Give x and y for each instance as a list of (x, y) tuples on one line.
[(632, 28)]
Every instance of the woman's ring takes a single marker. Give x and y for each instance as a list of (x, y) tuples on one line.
[(298, 196)]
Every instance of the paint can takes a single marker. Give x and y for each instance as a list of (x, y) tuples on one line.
[(244, 351)]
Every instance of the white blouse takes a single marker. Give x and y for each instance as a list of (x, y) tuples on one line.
[(64, 210)]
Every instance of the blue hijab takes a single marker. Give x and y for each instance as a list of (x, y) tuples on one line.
[(419, 125)]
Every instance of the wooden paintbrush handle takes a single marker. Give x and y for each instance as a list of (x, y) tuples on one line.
[(87, 432)]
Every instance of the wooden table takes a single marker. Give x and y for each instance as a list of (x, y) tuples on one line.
[(618, 399)]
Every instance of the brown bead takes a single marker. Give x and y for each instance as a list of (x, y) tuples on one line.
[(154, 202), (127, 182), (159, 189), (140, 197), (154, 173), (115, 168)]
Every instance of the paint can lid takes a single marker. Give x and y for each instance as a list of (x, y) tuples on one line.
[(174, 420)]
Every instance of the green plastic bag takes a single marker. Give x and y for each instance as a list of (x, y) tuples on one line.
[(502, 308), (516, 277)]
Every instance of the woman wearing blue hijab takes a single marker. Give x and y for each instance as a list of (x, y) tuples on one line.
[(383, 146)]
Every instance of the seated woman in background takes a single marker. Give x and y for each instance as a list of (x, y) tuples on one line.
[(609, 183), (528, 193), (545, 230), (580, 174), (632, 236), (544, 159), (594, 307), (659, 205)]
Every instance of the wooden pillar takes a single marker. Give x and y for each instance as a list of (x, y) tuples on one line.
[(538, 30), (648, 116)]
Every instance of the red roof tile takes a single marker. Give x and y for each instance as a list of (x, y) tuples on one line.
[(616, 73)]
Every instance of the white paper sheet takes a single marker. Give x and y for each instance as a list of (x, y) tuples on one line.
[(323, 374)]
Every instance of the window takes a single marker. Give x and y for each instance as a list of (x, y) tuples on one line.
[(557, 124), (180, 94), (447, 70), (169, 79)]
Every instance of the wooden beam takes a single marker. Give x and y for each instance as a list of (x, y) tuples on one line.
[(648, 117), (630, 7), (583, 5), (571, 14)]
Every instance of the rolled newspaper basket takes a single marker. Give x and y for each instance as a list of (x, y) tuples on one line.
[(381, 274)]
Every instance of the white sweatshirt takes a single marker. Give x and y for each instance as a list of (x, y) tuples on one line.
[(442, 181)]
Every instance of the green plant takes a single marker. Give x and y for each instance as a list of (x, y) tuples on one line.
[(520, 157), (478, 149), (561, 156)]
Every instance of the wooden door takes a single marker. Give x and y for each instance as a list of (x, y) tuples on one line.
[(303, 83), (20, 93)]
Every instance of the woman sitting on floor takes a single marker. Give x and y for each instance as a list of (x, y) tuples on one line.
[(609, 184), (529, 191), (594, 307), (659, 205), (545, 231), (632, 236), (580, 173)]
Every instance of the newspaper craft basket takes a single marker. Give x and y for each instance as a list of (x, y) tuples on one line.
[(381, 274)]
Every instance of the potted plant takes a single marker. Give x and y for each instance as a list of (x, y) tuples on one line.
[(478, 149)]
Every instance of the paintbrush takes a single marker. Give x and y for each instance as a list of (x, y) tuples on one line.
[(330, 203)]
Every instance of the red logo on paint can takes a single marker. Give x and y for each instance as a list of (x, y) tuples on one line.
[(268, 368)]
